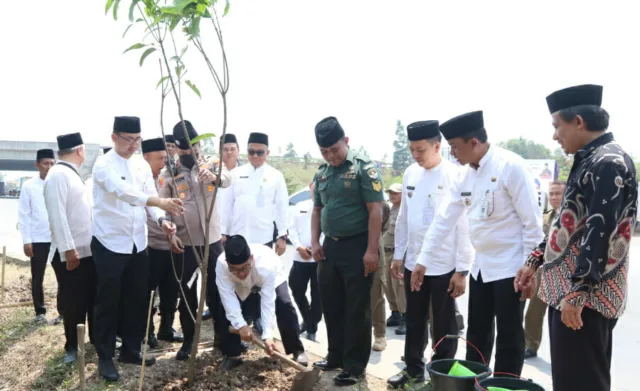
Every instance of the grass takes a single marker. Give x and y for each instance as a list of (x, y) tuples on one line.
[(56, 375), (19, 325)]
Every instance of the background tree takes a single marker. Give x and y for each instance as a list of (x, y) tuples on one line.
[(564, 164), (401, 154), (528, 149), (291, 152), (363, 152), (307, 159)]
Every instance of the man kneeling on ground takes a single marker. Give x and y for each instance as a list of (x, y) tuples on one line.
[(245, 270)]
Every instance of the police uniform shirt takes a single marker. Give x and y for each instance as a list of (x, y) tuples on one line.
[(300, 228), (33, 221), (69, 210), (187, 187), (121, 190), (266, 275), (157, 239), (505, 221), (423, 192), (257, 197)]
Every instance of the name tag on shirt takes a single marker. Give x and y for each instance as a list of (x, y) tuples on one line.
[(486, 207), (123, 178), (303, 211), (244, 177)]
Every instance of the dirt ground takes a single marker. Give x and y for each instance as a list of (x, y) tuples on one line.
[(31, 356)]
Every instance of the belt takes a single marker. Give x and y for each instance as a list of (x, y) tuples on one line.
[(389, 249), (344, 238)]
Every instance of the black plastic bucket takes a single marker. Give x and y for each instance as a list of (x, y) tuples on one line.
[(508, 383), (442, 381)]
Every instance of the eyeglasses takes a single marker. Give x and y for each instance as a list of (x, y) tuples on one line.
[(243, 269), (130, 140), (259, 153)]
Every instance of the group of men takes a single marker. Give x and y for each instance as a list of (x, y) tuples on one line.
[(446, 222)]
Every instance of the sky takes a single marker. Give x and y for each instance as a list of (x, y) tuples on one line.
[(293, 62)]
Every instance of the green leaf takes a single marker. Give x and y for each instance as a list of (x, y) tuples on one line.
[(226, 8), (134, 47), (170, 11), (108, 6), (132, 9), (161, 81), (202, 137), (194, 88), (194, 27), (180, 5), (179, 70), (116, 4), (127, 29), (184, 50), (145, 54), (174, 22)]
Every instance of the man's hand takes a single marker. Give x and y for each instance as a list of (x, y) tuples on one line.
[(317, 251), (172, 205), (168, 228), (245, 333), (72, 259), (271, 346), (571, 315), (28, 250), (304, 252), (370, 260), (525, 279), (417, 276), (396, 269), (176, 245), (281, 246), (457, 285), (206, 176), (224, 240)]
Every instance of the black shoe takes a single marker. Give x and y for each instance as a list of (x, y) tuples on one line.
[(129, 358), (326, 365), (530, 353), (152, 341), (301, 358), (303, 328), (108, 371), (185, 351), (394, 320), (70, 357), (403, 378), (312, 337), (207, 315), (170, 336), (244, 347), (402, 327), (344, 378), (230, 363)]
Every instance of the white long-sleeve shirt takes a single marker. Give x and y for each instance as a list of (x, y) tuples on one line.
[(255, 200), (121, 189), (300, 228), (33, 220), (505, 222), (266, 274), (423, 192), (69, 208)]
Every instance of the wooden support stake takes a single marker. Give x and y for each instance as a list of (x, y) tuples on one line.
[(146, 341), (83, 382), (4, 260)]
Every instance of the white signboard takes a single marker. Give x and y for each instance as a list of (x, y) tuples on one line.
[(544, 171)]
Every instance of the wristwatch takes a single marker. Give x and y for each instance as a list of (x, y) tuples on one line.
[(161, 220), (464, 273)]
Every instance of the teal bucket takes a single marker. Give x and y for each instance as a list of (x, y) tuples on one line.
[(506, 383), (442, 381)]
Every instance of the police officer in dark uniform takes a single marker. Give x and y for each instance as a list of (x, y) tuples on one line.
[(348, 210)]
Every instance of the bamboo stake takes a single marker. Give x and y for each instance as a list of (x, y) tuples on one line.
[(81, 335), (146, 341), (4, 260)]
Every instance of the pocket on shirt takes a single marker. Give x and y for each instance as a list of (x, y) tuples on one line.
[(501, 202), (184, 192), (323, 189)]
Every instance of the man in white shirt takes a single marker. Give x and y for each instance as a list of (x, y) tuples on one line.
[(188, 182), (505, 223), (256, 199), (33, 223), (424, 189), (243, 271), (69, 214), (304, 271), (123, 188)]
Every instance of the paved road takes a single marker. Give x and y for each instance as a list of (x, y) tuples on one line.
[(383, 365)]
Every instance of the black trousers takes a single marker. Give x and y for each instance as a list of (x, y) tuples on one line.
[(162, 278), (581, 360), (38, 267), (345, 293), (496, 301), (251, 309), (286, 317), (76, 293), (303, 274), (213, 298), (121, 301), (434, 289)]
